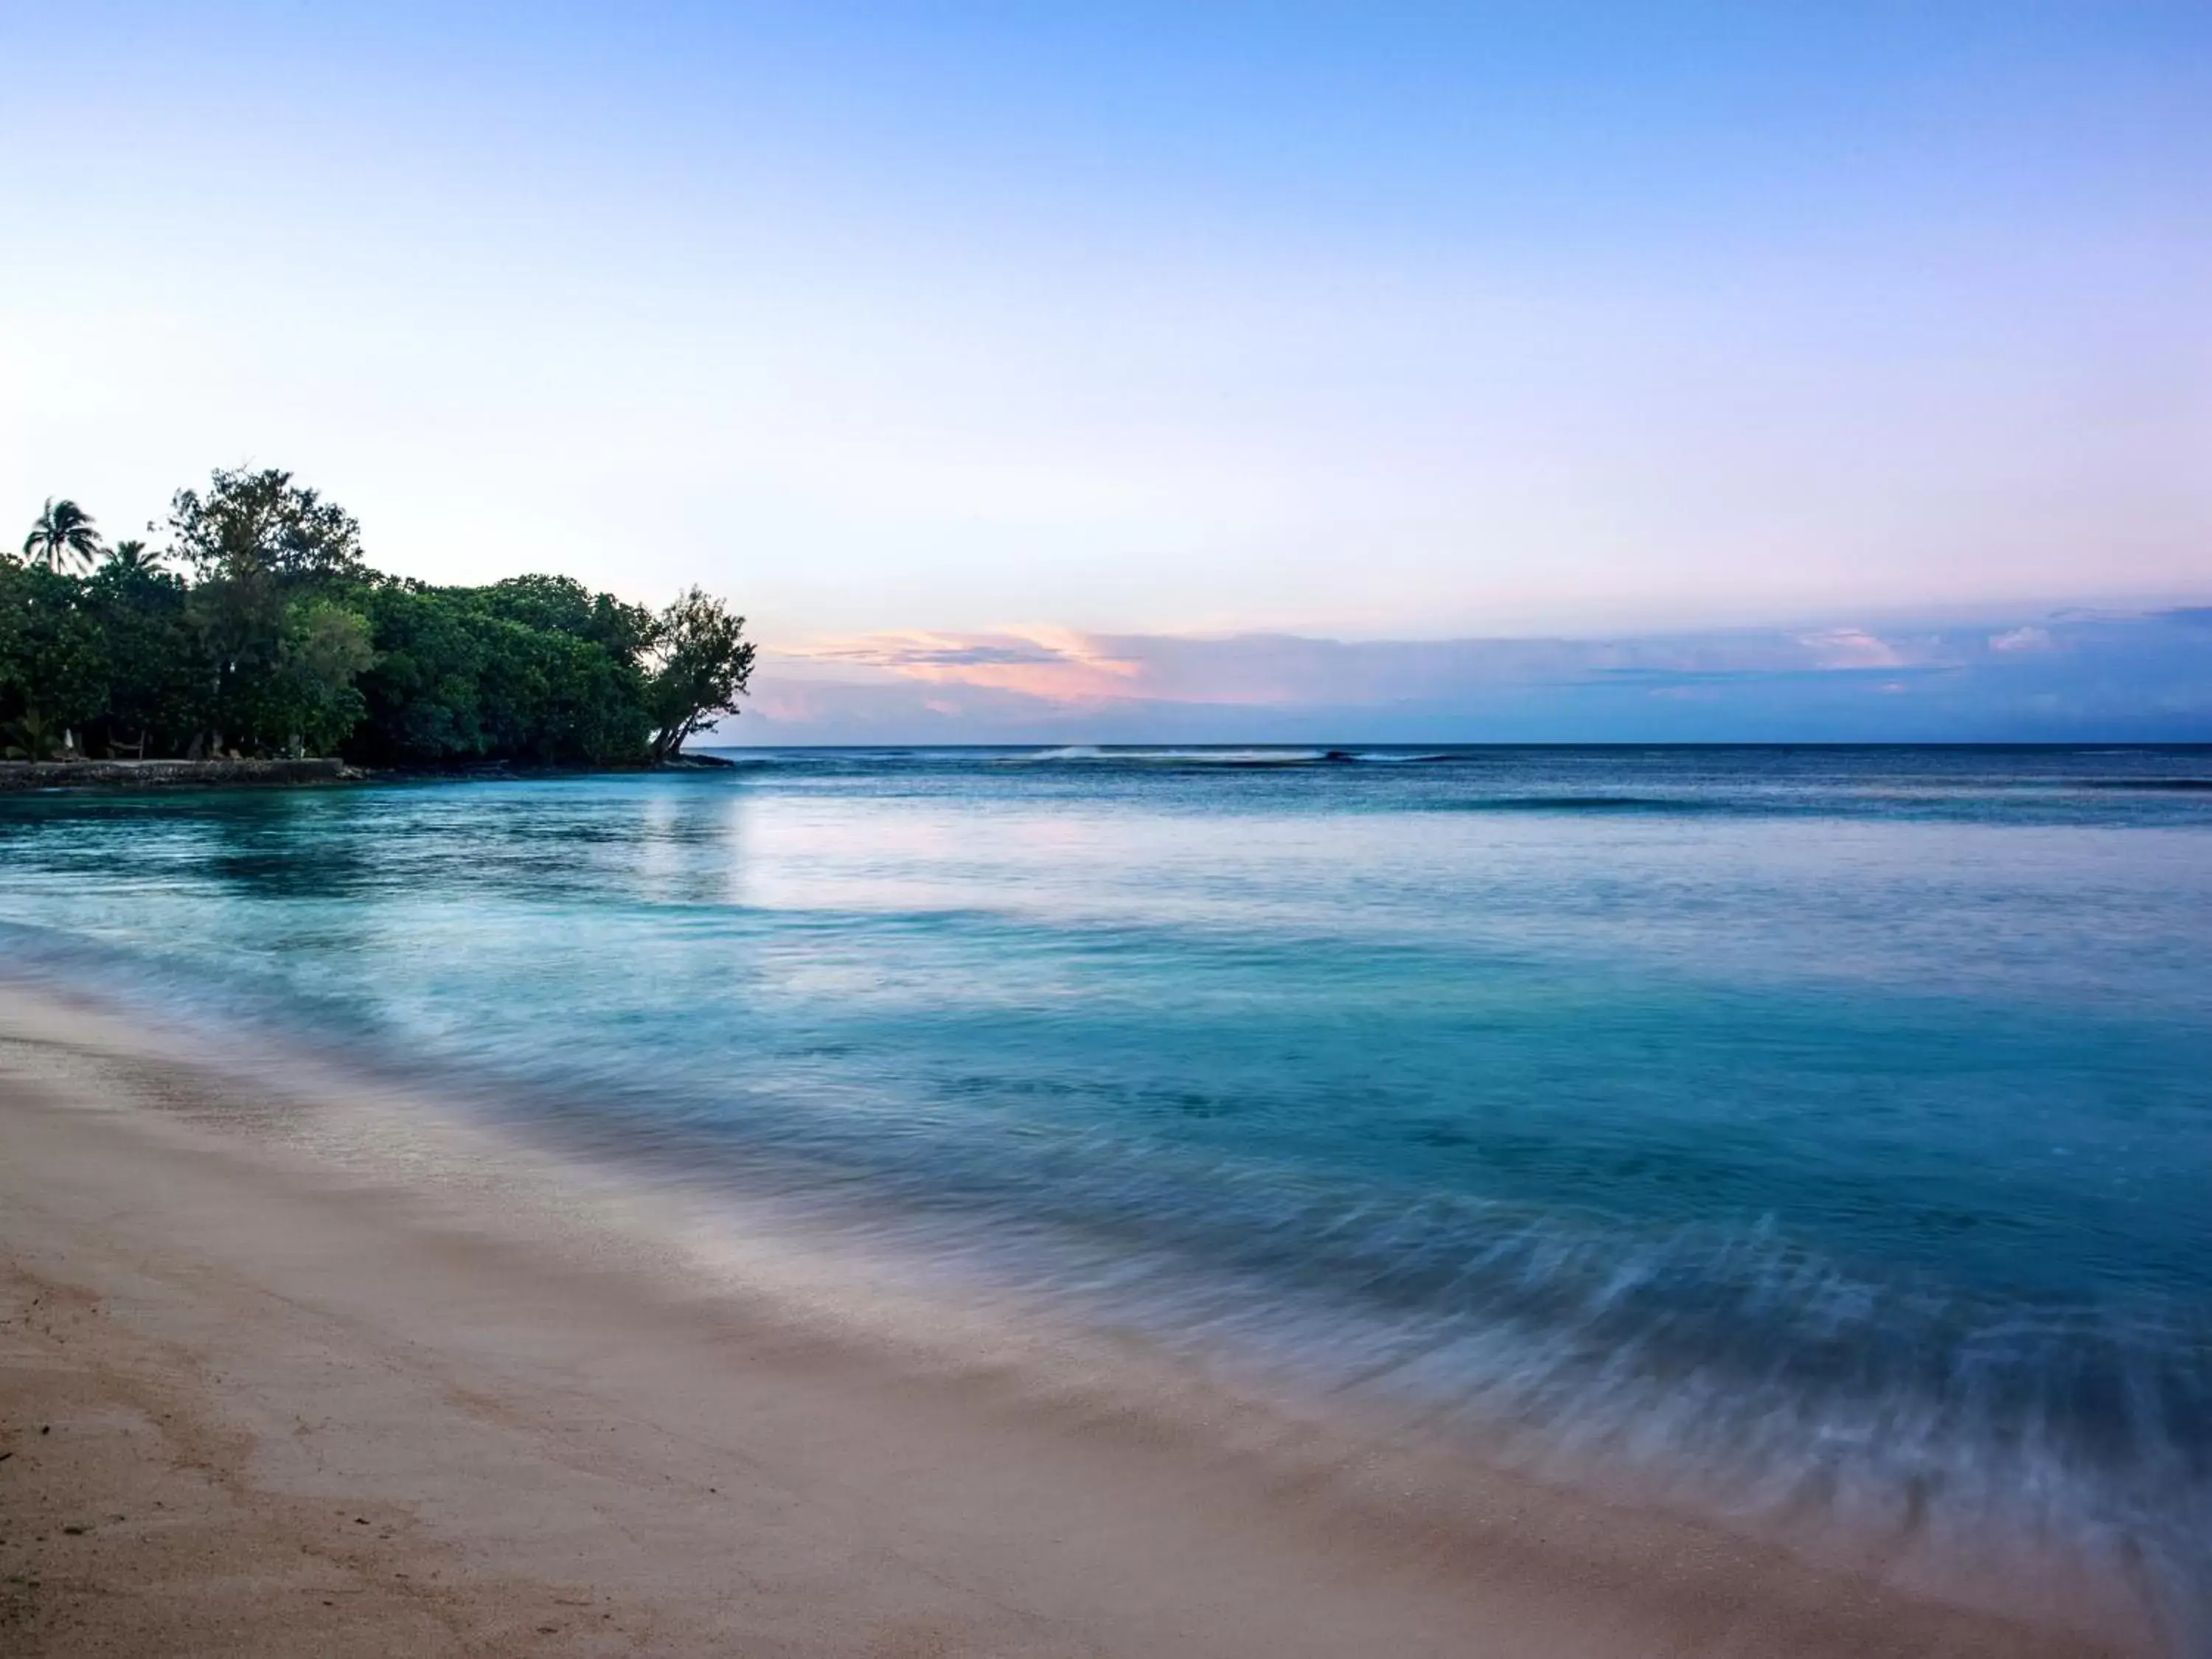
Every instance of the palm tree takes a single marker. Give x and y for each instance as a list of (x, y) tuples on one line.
[(133, 556), (62, 533)]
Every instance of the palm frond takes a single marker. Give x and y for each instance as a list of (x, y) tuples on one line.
[(63, 531)]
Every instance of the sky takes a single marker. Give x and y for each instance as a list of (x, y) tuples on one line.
[(1038, 371)]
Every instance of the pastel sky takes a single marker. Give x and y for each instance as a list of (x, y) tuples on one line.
[(1163, 334)]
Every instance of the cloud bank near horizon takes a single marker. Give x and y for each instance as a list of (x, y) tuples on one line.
[(2074, 676)]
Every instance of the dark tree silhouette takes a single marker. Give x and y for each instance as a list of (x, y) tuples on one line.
[(259, 629), (263, 524), (700, 660), (133, 558), (62, 534)]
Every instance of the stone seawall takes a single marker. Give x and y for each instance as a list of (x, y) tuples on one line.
[(16, 775)]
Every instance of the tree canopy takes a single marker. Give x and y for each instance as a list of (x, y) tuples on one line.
[(701, 663), (262, 524), (62, 534), (261, 629)]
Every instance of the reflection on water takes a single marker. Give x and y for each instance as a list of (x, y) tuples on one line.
[(1834, 1120)]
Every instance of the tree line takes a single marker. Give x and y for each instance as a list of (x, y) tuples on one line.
[(259, 630)]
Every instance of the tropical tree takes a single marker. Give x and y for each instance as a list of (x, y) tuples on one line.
[(259, 544), (265, 632), (561, 604), (700, 660), (53, 661), (534, 669), (62, 534), (132, 558), (325, 649), (159, 680), (261, 523)]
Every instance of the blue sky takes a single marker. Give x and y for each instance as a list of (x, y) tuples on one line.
[(1367, 324)]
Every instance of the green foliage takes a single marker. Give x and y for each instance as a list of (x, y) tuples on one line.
[(522, 671), (280, 640), (238, 622), (324, 649), (158, 691), (560, 604), (260, 525), (701, 661), (53, 660)]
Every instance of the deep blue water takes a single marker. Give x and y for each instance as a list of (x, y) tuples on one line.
[(1836, 1122)]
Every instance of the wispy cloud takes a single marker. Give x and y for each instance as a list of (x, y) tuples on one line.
[(1852, 647), (2071, 676), (1055, 665)]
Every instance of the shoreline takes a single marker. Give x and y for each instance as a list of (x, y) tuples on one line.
[(360, 1376), (21, 777), (122, 776)]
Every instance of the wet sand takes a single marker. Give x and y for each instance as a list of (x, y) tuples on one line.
[(317, 1368)]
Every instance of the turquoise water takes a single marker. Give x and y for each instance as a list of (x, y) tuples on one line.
[(1835, 1123)]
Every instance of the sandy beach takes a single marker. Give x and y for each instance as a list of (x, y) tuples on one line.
[(317, 1369)]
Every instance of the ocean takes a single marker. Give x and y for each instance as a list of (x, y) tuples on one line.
[(1812, 1125)]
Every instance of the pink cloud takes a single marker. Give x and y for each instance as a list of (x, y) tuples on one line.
[(1056, 664), (1850, 648), (1074, 669), (1992, 679)]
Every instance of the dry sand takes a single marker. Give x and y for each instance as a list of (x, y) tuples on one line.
[(320, 1371)]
